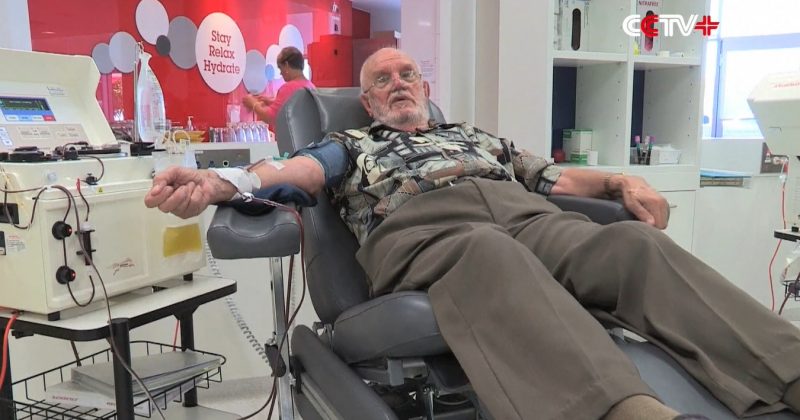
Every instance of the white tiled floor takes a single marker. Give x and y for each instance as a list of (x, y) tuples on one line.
[(239, 396)]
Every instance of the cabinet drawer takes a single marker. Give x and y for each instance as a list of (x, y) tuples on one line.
[(681, 219)]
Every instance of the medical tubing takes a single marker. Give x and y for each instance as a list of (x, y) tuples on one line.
[(64, 248), (114, 349), (86, 202), (244, 328), (272, 399)]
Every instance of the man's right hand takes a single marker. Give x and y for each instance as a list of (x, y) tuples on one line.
[(187, 192)]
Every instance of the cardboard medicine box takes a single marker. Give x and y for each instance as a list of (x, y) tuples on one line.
[(576, 142)]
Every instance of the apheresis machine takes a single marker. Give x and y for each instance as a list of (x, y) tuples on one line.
[(775, 102), (72, 211)]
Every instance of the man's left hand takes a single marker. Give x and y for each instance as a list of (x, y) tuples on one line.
[(643, 201)]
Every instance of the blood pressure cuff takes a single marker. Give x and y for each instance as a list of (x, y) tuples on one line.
[(281, 193), (332, 157)]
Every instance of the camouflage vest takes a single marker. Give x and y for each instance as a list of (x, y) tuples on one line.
[(388, 167)]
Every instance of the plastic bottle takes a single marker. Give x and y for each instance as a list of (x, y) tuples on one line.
[(189, 125), (151, 116)]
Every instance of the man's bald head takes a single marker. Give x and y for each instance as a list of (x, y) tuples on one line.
[(378, 56), (393, 91)]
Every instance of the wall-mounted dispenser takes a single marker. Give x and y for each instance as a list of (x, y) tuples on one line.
[(572, 32), (648, 45)]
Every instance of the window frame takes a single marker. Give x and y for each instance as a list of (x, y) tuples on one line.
[(743, 43)]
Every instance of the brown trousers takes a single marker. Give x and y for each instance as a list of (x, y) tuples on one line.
[(512, 279)]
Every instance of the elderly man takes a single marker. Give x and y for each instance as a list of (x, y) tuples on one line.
[(461, 213)]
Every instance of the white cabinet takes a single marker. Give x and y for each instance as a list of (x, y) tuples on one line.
[(607, 87), (681, 217)]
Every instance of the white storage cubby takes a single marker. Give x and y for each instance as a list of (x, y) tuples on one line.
[(671, 108), (533, 86), (601, 104)]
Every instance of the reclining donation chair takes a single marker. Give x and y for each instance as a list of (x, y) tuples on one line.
[(382, 358)]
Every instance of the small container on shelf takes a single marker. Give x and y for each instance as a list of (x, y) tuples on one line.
[(572, 25), (577, 142)]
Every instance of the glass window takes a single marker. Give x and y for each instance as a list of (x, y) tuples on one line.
[(743, 70), (756, 38), (710, 88), (759, 17)]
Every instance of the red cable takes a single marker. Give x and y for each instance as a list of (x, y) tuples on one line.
[(5, 348), (175, 337), (780, 241)]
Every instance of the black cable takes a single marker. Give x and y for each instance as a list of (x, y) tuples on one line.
[(80, 192), (7, 213), (102, 167), (66, 263), (789, 292), (75, 352), (91, 298)]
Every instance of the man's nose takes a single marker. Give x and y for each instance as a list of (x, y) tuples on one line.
[(397, 79)]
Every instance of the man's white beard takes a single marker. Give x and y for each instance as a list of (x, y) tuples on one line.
[(402, 119), (418, 118)]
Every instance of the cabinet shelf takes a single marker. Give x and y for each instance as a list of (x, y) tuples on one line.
[(563, 58), (649, 62)]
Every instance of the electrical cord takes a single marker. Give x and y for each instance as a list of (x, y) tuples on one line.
[(102, 166), (11, 320), (7, 213), (175, 336)]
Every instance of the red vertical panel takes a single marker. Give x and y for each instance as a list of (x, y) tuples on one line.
[(361, 24)]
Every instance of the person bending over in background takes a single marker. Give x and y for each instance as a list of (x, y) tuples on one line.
[(291, 63)]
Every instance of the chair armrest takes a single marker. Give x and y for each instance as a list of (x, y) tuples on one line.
[(233, 235), (598, 210)]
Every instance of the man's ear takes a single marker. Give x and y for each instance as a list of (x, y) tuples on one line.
[(426, 87), (365, 103)]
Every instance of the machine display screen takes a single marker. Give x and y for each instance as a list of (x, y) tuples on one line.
[(26, 109)]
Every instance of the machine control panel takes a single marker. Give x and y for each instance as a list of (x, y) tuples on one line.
[(17, 108), (43, 136)]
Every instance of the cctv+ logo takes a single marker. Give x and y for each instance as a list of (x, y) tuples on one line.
[(635, 25)]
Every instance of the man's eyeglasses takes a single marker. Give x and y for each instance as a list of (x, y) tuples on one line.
[(408, 76)]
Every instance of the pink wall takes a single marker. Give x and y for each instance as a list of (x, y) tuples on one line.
[(75, 27)]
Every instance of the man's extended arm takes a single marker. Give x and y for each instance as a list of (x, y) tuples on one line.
[(638, 197), (187, 192)]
